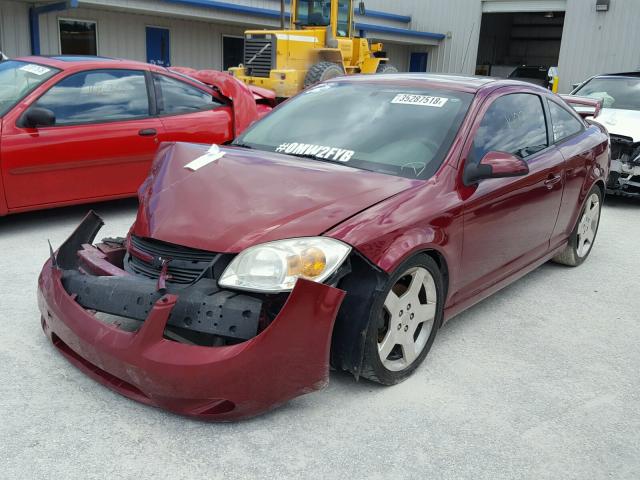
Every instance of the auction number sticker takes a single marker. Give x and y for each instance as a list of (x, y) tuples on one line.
[(35, 69), (423, 100), (318, 151)]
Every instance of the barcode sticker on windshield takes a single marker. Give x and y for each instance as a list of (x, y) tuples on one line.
[(35, 69), (424, 100)]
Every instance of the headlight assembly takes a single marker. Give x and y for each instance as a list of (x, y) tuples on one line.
[(275, 266)]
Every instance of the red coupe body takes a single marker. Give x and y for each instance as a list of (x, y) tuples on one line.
[(110, 117), (483, 235)]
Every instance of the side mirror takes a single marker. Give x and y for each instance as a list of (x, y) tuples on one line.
[(495, 165), (362, 10), (574, 86), (38, 117)]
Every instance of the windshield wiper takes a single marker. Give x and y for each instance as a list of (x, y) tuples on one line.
[(241, 145)]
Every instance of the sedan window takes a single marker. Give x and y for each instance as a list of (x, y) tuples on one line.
[(18, 79), (174, 97), (97, 96), (564, 123), (514, 124)]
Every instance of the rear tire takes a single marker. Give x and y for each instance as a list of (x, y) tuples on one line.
[(404, 321), (322, 71), (584, 233), (386, 68)]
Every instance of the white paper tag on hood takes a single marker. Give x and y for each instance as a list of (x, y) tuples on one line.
[(212, 155)]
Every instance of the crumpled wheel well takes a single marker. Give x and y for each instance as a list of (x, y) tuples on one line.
[(363, 285)]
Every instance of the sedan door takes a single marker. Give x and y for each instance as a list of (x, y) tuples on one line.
[(508, 221), (100, 146), (190, 113)]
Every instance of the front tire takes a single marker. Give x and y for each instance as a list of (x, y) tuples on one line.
[(404, 321), (584, 233), (322, 71)]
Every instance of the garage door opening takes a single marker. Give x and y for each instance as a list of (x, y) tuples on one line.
[(523, 44)]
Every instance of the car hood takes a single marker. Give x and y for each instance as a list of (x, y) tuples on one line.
[(621, 122), (247, 197)]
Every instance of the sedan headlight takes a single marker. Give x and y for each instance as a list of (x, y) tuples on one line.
[(275, 266)]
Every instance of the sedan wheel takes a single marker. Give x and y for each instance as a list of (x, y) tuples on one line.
[(404, 322), (584, 233), (410, 310), (588, 225)]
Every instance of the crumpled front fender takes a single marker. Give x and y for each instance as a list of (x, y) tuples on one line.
[(245, 110)]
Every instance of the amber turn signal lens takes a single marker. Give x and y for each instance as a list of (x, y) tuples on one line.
[(310, 263)]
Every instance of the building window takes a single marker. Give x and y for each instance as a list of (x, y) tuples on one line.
[(78, 37), (232, 51)]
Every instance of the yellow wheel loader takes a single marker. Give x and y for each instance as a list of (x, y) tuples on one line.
[(319, 45)]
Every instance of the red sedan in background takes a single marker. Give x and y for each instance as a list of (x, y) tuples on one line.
[(346, 237), (84, 129)]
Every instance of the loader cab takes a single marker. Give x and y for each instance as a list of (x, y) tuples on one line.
[(322, 13)]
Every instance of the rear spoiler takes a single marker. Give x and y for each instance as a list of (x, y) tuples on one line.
[(584, 106)]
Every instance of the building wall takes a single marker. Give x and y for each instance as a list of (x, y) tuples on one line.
[(459, 18), (596, 42), (14, 28), (192, 43)]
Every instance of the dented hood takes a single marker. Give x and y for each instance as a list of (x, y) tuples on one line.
[(247, 197)]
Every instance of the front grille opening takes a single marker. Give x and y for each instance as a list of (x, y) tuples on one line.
[(185, 265), (117, 383)]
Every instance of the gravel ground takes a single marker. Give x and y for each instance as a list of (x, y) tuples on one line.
[(539, 381)]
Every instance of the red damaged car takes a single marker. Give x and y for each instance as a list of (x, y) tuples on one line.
[(342, 229), (79, 129)]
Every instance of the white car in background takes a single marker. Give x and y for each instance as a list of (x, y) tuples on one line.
[(620, 114)]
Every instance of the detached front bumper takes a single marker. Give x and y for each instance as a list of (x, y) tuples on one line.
[(287, 359)]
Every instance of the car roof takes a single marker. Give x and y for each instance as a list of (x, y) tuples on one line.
[(75, 62), (463, 83), (635, 74)]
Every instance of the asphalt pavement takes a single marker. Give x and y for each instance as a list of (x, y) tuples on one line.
[(542, 380)]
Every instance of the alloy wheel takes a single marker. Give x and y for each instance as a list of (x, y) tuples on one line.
[(409, 313), (588, 225)]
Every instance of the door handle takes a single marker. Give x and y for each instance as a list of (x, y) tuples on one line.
[(147, 132), (552, 180)]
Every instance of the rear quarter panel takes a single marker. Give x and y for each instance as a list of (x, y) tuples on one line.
[(587, 163)]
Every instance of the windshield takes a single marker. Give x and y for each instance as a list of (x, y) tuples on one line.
[(404, 131), (314, 12), (18, 79), (615, 92)]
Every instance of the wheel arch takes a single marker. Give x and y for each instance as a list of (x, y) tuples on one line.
[(354, 317)]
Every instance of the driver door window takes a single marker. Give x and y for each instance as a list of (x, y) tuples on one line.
[(97, 96), (514, 124)]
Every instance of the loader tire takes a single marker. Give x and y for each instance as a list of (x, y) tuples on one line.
[(322, 71), (386, 68)]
